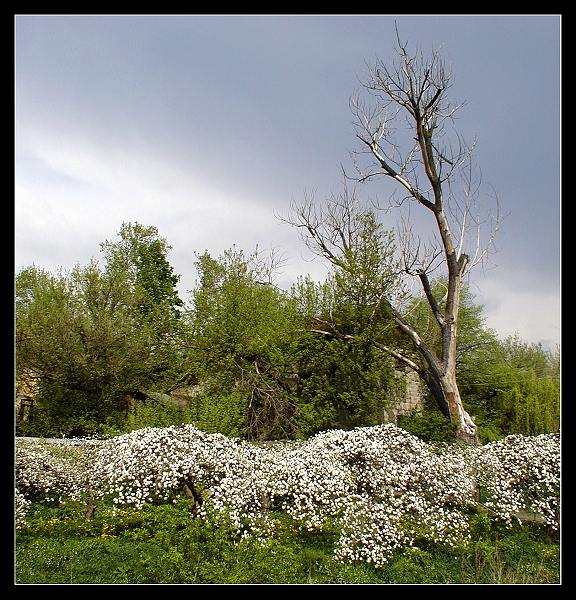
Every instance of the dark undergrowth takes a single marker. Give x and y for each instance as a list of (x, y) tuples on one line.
[(164, 544)]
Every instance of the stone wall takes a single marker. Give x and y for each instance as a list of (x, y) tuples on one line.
[(408, 399), (26, 388)]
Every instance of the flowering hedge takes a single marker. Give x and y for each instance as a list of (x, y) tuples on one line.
[(56, 470), (522, 473), (383, 488)]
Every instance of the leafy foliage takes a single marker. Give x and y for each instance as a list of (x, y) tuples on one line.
[(379, 489), (90, 336), (140, 256), (430, 425), (264, 363), (162, 544), (345, 379), (76, 336), (245, 335), (514, 387), (342, 384)]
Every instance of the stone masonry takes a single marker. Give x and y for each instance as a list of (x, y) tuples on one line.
[(410, 397)]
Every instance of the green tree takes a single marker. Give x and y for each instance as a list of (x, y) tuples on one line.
[(519, 387), (140, 256), (245, 333), (433, 172), (93, 335), (76, 335), (345, 378), (341, 384)]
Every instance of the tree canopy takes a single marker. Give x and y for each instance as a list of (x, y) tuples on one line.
[(90, 336), (262, 362)]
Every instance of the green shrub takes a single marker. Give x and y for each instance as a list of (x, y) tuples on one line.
[(154, 413), (211, 413), (90, 560), (167, 544), (224, 413), (533, 403), (44, 424), (414, 565), (430, 426)]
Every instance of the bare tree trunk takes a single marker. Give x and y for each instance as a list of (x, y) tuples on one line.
[(442, 384), (466, 429), (426, 166), (90, 508), (440, 374), (435, 389)]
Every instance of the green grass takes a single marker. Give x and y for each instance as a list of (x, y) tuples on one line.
[(163, 544)]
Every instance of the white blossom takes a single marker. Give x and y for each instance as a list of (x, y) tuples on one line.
[(383, 488)]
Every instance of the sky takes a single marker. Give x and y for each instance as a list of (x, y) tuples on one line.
[(209, 127)]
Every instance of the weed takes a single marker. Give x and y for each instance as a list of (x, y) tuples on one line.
[(167, 544)]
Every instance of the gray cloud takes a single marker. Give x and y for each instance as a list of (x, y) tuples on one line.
[(207, 126)]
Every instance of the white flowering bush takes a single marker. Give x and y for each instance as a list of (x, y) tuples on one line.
[(153, 464), (55, 471), (382, 488), (149, 464), (521, 473), (20, 507)]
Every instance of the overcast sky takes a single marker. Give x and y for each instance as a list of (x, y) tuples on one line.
[(209, 126)]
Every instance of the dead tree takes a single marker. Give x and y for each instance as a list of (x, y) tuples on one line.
[(432, 167)]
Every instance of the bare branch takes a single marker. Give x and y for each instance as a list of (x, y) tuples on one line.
[(399, 356), (406, 134), (480, 255), (333, 231), (431, 300)]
